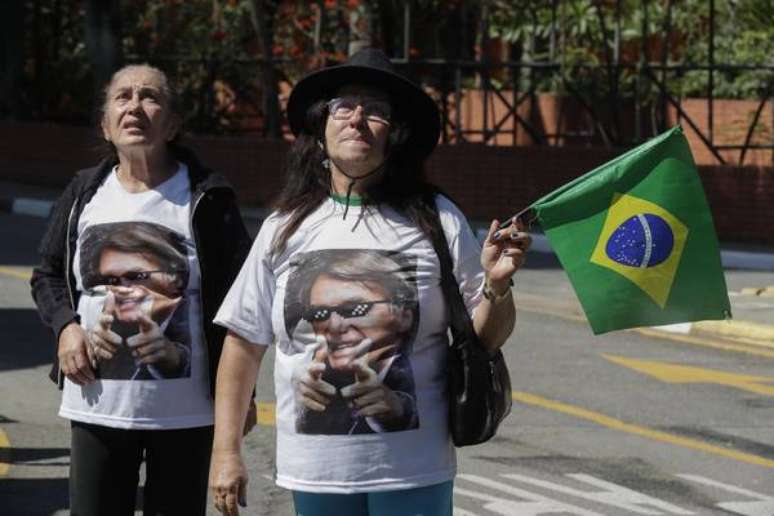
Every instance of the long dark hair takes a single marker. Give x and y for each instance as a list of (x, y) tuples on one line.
[(308, 183)]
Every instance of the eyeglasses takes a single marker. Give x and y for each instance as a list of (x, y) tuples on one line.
[(376, 110), (129, 278), (320, 313)]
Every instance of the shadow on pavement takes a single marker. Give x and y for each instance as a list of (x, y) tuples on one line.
[(40, 496), (25, 233), (26, 342), (33, 496), (31, 457)]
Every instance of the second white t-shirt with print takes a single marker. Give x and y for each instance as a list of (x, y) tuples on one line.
[(135, 257), (350, 300)]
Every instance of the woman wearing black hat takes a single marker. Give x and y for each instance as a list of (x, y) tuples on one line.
[(361, 408)]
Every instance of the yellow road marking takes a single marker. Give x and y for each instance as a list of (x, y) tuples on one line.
[(265, 414), (675, 373), (648, 433), (5, 450), (24, 273), (750, 349), (267, 408)]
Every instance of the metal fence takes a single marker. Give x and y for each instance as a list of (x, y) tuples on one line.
[(609, 119), (496, 102)]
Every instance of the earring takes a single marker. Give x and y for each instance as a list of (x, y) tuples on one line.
[(326, 163)]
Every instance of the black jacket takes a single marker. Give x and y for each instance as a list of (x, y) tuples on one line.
[(222, 244)]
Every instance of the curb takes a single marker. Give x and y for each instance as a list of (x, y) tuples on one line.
[(26, 206), (40, 208), (746, 260), (730, 259), (749, 332), (746, 332)]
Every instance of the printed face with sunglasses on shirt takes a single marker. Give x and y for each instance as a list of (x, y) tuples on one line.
[(356, 377), (141, 296), (135, 279), (134, 275), (355, 318)]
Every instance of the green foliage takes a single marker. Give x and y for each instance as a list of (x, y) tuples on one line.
[(580, 35), (207, 47), (744, 35), (56, 70), (212, 50)]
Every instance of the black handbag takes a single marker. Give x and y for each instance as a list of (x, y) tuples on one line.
[(479, 386)]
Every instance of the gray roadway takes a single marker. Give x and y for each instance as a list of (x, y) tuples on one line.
[(589, 434)]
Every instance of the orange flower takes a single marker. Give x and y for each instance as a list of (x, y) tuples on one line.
[(330, 4), (353, 3)]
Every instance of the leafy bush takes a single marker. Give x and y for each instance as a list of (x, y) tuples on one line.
[(212, 48)]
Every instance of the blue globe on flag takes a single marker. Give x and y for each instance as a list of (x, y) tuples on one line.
[(643, 240)]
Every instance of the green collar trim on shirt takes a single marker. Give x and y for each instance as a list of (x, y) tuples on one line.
[(354, 200)]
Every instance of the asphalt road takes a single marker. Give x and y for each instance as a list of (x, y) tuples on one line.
[(626, 423)]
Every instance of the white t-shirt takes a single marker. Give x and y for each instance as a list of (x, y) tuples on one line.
[(136, 261), (363, 289)]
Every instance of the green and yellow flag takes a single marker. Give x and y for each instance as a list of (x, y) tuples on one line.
[(637, 240)]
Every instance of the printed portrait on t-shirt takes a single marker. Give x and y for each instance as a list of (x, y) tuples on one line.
[(352, 316), (136, 274)]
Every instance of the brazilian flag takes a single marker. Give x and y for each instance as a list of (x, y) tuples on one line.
[(637, 240)]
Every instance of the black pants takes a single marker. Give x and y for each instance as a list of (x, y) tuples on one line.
[(105, 470)]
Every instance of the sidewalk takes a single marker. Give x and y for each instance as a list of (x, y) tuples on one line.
[(749, 272)]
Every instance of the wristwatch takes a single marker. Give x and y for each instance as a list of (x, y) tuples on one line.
[(493, 296)]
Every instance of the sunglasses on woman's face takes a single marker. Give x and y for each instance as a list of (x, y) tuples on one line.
[(320, 313), (129, 278), (376, 110)]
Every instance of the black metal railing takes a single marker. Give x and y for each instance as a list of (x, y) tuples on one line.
[(618, 103)]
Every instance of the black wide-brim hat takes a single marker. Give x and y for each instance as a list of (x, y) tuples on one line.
[(370, 67)]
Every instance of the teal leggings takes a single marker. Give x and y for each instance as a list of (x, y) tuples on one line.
[(435, 500)]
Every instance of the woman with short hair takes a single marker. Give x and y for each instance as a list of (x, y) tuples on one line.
[(138, 254)]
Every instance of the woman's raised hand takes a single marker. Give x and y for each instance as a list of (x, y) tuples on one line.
[(504, 252)]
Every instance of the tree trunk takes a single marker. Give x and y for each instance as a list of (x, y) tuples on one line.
[(11, 58), (360, 28), (262, 19), (387, 18), (103, 38)]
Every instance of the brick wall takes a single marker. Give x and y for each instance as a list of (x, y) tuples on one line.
[(551, 115), (731, 120), (487, 181)]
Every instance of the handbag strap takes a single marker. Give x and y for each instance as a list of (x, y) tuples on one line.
[(459, 319)]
